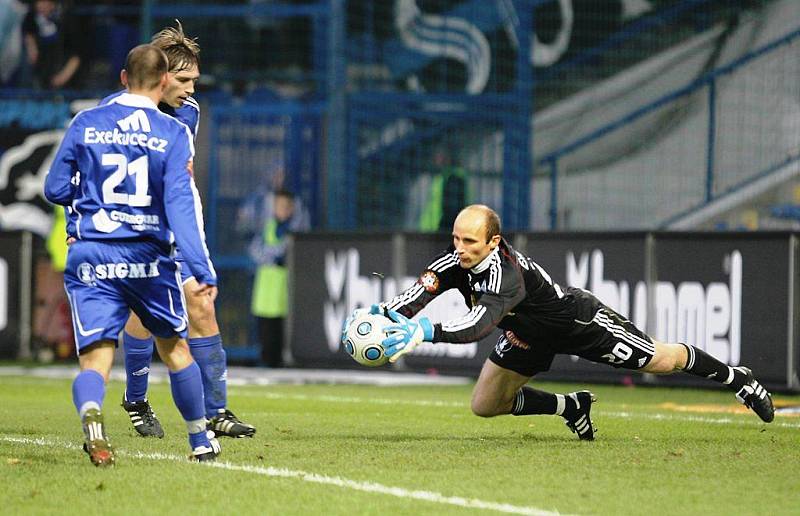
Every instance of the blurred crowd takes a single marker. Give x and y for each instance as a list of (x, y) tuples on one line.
[(81, 45), (52, 44)]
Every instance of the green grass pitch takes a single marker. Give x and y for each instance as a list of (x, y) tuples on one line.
[(346, 449)]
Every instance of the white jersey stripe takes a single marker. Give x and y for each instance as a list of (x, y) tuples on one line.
[(415, 291), (198, 214), (495, 275), (440, 262), (470, 319), (445, 262), (408, 297)]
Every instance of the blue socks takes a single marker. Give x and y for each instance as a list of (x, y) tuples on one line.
[(207, 352), (209, 355), (88, 391), (138, 357), (187, 392)]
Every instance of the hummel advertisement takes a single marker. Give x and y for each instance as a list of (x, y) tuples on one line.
[(733, 295), (726, 294)]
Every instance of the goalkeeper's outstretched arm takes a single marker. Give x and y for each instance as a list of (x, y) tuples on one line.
[(440, 275)]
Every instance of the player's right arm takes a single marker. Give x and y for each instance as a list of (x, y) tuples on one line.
[(184, 211), (441, 274), (61, 183)]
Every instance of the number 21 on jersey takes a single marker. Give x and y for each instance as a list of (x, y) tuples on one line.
[(137, 168)]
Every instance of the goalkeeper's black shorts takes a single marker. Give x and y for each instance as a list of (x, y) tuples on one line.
[(604, 337)]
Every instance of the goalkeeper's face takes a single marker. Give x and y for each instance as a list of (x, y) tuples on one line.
[(470, 240), (180, 86)]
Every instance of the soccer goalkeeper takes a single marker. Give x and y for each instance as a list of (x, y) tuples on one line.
[(539, 319)]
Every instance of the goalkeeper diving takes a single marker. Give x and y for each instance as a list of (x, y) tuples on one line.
[(506, 289)]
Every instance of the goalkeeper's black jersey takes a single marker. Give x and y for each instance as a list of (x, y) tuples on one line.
[(507, 290)]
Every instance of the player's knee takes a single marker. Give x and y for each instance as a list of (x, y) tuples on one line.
[(483, 406), (174, 352), (201, 311), (135, 328), (667, 359)]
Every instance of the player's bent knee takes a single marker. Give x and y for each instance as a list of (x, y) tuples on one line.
[(201, 305), (98, 356), (483, 406), (135, 328), (667, 359), (201, 311), (174, 352)]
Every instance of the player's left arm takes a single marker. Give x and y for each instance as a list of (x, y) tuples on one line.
[(184, 209), (63, 178)]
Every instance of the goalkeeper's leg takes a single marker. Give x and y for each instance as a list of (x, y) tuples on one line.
[(503, 391), (670, 358)]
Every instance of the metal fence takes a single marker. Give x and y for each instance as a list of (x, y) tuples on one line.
[(469, 81), (687, 148)]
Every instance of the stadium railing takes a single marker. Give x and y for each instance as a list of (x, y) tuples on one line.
[(415, 92), (715, 184)]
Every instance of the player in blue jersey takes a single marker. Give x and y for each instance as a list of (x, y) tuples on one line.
[(125, 170), (205, 340)]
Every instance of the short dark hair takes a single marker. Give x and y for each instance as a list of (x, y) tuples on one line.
[(283, 192), (145, 66), (182, 51)]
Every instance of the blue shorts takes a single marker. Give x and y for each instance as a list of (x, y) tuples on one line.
[(105, 280), (183, 267)]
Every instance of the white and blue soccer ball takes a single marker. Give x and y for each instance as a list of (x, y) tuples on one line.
[(363, 339)]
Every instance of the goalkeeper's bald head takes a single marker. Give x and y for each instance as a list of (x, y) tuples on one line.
[(489, 218)]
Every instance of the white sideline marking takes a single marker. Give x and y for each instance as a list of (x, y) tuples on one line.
[(456, 404), (352, 399), (704, 419), (370, 487)]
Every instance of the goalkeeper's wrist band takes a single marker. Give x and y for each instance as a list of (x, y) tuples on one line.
[(427, 329)]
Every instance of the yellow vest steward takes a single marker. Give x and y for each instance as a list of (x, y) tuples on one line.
[(271, 290)]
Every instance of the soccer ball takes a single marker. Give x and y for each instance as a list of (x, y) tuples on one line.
[(363, 339)]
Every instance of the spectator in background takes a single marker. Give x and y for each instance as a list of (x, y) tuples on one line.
[(54, 45), (281, 214), (11, 15), (447, 193)]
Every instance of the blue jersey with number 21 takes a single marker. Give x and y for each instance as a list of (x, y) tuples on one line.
[(125, 169)]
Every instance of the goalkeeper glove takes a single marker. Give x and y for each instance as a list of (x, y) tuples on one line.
[(405, 335), (374, 309)]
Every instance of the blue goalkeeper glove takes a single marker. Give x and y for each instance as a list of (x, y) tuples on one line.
[(374, 309), (405, 335)]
